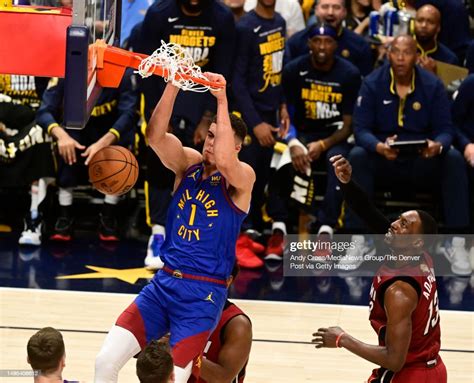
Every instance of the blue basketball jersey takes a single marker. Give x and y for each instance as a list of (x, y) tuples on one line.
[(202, 226)]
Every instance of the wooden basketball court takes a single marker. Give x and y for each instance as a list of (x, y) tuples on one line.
[(280, 352)]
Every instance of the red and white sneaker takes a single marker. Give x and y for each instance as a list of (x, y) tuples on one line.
[(245, 252), (275, 247)]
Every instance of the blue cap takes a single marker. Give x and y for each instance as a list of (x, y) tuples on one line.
[(321, 29)]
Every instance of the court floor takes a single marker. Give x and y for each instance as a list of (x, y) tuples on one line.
[(281, 351)]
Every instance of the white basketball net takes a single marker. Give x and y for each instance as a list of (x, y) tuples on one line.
[(177, 61)]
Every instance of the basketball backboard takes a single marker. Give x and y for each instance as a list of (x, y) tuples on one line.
[(92, 20)]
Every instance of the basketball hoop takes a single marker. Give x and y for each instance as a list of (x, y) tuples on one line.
[(180, 68), (170, 61)]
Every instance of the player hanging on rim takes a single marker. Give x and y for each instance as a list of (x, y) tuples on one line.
[(403, 298), (211, 198)]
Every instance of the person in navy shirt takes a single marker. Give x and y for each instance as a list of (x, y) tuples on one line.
[(454, 33), (206, 29), (427, 28), (321, 89), (258, 93), (469, 63), (112, 121), (463, 117), (350, 45), (401, 101)]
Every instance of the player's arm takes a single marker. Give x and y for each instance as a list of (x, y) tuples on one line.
[(166, 145), (47, 117), (400, 300), (239, 174), (234, 352)]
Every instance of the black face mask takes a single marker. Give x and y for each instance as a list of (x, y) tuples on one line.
[(193, 9)]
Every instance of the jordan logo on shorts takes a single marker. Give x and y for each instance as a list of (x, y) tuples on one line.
[(209, 298)]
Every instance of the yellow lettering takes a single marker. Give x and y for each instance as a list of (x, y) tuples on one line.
[(213, 213), (209, 204), (199, 195)]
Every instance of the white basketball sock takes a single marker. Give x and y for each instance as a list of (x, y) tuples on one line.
[(181, 375), (112, 199), (119, 346), (65, 196)]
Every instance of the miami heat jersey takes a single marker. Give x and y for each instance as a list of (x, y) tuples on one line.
[(202, 226), (214, 343), (425, 338)]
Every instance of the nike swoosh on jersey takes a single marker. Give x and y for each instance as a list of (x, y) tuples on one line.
[(303, 73), (256, 29), (386, 102), (172, 19)]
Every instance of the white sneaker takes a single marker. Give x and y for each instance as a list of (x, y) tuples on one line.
[(356, 286), (355, 257), (31, 234), (152, 259), (456, 253), (456, 287)]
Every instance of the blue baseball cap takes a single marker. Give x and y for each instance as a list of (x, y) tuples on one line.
[(321, 29)]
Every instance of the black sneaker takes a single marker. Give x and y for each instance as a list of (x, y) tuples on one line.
[(108, 226), (64, 225)]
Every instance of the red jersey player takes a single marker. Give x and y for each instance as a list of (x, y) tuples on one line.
[(228, 348), (404, 299)]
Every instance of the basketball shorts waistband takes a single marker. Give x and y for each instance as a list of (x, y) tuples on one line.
[(428, 364), (180, 275)]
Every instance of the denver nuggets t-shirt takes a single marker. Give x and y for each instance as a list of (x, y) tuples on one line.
[(258, 65)]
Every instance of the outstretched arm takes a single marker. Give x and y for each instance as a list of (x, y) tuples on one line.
[(400, 300), (357, 199), (167, 146)]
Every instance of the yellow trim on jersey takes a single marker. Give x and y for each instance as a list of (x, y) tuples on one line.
[(115, 132), (401, 105), (428, 52), (143, 124), (147, 204), (50, 127)]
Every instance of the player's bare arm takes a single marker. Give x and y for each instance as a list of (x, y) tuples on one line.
[(166, 145), (400, 300), (238, 174), (234, 352)]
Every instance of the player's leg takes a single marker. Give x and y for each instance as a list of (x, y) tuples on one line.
[(193, 317), (145, 319), (119, 346)]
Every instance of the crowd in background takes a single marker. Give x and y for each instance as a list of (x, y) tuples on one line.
[(311, 79)]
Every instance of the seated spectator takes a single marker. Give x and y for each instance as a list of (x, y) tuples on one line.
[(401, 101), (463, 117), (454, 31), (112, 121), (26, 156), (469, 62), (357, 19), (350, 45), (427, 28), (155, 364), (321, 90), (47, 355)]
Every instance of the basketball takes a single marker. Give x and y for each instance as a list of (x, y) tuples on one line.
[(113, 170)]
